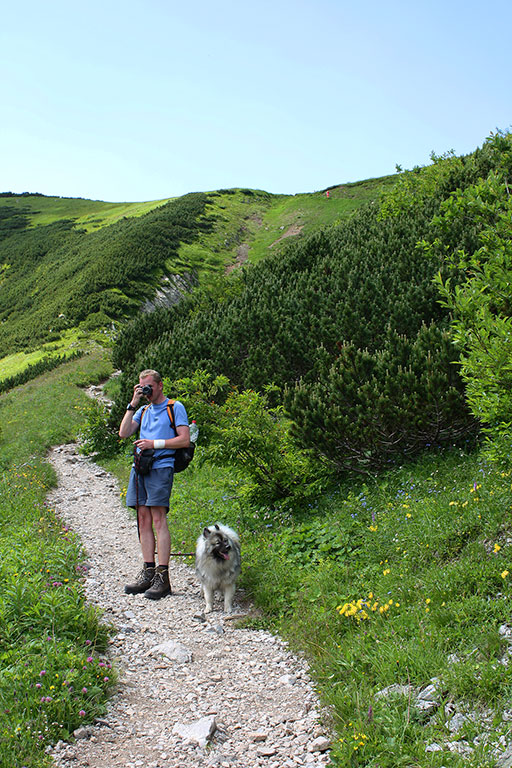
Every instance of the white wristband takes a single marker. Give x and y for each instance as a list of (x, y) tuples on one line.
[(158, 444)]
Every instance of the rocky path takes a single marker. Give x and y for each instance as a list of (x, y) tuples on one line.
[(192, 693)]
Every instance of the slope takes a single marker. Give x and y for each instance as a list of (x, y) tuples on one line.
[(73, 268), (90, 215)]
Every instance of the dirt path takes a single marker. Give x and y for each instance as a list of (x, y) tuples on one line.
[(234, 698), (294, 229)]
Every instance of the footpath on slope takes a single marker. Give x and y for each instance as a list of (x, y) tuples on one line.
[(231, 698)]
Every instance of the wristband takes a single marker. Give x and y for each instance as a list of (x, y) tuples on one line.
[(158, 444)]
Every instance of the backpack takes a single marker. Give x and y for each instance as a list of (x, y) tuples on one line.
[(182, 456)]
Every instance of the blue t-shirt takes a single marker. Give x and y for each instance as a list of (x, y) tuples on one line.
[(156, 425)]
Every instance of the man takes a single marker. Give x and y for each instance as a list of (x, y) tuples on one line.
[(149, 494)]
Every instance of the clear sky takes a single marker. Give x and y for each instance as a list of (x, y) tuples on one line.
[(122, 101)]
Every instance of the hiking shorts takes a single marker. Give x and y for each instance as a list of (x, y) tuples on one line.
[(151, 490)]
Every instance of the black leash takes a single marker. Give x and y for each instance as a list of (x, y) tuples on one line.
[(136, 476), (137, 501)]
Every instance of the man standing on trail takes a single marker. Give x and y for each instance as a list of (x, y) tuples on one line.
[(149, 494)]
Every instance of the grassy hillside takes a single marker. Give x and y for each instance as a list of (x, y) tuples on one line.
[(347, 320), (249, 225), (90, 215), (301, 215), (70, 267)]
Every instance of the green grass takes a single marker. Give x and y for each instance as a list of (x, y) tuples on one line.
[(307, 212), (253, 222), (424, 574), (72, 340), (54, 676), (236, 216), (87, 214)]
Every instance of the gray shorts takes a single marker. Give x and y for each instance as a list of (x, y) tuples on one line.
[(153, 490)]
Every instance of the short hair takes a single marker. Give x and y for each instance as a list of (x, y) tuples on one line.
[(150, 372)]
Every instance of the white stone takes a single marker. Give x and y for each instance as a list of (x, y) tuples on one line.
[(395, 689), (172, 650), (320, 744), (505, 759), (433, 747), (257, 736), (456, 722), (266, 751), (199, 732), (288, 679), (428, 694)]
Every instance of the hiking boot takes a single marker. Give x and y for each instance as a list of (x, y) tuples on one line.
[(161, 586), (142, 582)]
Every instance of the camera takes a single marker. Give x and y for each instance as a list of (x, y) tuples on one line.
[(147, 390)]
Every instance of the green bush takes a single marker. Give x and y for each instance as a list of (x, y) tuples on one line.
[(243, 432), (95, 435), (202, 394), (481, 300), (373, 409), (255, 439)]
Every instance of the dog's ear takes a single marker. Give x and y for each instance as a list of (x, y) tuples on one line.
[(206, 532)]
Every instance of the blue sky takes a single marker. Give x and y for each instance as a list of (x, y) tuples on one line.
[(123, 100)]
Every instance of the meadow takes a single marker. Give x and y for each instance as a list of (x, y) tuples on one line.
[(88, 215), (305, 213), (54, 672)]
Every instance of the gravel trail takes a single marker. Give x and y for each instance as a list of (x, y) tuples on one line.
[(232, 698)]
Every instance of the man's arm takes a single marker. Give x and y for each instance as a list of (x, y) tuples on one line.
[(128, 425)]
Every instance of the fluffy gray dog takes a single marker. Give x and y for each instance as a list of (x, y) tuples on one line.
[(218, 564)]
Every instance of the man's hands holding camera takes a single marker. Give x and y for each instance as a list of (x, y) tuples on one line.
[(140, 391)]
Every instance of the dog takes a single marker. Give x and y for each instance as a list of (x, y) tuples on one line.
[(218, 564)]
